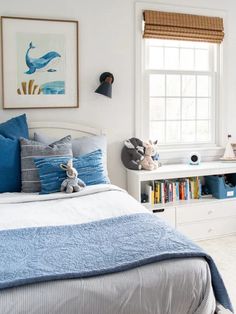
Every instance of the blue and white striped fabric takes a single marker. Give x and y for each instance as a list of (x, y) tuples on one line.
[(30, 150), (90, 169)]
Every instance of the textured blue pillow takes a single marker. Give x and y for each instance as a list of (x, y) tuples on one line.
[(90, 169), (10, 167)]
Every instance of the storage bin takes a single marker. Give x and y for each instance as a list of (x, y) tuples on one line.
[(221, 186)]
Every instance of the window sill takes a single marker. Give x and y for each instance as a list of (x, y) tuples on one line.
[(181, 155)]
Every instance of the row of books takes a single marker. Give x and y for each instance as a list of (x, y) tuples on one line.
[(164, 191)]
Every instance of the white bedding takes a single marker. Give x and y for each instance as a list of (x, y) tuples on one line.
[(20, 210), (175, 287)]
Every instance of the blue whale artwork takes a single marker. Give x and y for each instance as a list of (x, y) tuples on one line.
[(35, 64), (52, 88)]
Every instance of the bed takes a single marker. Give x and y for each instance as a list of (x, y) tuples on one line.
[(171, 285)]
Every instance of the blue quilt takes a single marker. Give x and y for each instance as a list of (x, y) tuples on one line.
[(75, 251)]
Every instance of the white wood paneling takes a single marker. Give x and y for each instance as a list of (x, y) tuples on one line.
[(198, 218)]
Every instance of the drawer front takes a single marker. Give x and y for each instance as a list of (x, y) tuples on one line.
[(204, 211), (209, 229), (167, 214)]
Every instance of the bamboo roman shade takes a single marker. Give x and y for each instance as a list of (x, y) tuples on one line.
[(180, 26)]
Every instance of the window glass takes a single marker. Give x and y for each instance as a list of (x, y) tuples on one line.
[(180, 81)]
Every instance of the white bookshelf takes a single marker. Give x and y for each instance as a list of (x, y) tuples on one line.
[(202, 201), (200, 219)]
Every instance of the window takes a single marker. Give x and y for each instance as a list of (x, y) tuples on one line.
[(179, 90)]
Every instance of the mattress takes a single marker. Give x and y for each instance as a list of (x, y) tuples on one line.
[(175, 286)]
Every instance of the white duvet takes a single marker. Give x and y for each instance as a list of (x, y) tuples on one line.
[(19, 210)]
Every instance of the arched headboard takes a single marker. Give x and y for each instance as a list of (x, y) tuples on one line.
[(60, 129)]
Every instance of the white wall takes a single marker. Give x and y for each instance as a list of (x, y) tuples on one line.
[(107, 42)]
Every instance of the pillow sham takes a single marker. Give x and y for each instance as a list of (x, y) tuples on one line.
[(10, 169), (31, 149), (90, 169), (82, 145)]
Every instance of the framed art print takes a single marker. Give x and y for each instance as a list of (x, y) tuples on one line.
[(39, 63)]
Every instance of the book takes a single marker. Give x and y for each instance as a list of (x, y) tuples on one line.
[(164, 191), (174, 191), (177, 190), (181, 190), (159, 192), (187, 190), (148, 190)]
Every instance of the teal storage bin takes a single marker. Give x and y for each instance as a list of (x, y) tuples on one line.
[(218, 187)]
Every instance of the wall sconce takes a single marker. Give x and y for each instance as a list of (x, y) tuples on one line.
[(105, 88)]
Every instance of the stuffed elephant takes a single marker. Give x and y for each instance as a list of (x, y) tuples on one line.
[(132, 153), (72, 183)]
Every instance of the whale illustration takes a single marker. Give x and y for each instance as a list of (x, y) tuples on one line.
[(39, 63)]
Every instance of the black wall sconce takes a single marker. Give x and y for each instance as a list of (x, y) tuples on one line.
[(105, 88)]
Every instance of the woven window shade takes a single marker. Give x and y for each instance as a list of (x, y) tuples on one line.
[(180, 26)]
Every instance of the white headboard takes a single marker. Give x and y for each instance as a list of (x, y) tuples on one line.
[(60, 129)]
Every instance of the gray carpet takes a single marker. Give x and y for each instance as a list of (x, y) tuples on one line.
[(223, 250)]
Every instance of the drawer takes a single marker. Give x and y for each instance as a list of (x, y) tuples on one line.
[(209, 229), (205, 211), (167, 214)]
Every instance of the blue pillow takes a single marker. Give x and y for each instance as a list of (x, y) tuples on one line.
[(15, 127), (10, 166), (10, 174), (90, 169)]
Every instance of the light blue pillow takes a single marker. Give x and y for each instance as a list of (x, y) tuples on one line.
[(10, 166), (90, 169)]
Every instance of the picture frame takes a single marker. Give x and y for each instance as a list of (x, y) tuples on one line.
[(40, 63)]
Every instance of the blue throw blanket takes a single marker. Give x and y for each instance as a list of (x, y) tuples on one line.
[(74, 251)]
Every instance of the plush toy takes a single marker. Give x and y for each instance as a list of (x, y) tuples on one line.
[(132, 153), (72, 183), (155, 155), (148, 163)]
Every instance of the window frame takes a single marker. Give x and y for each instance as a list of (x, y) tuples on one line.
[(213, 72), (176, 153)]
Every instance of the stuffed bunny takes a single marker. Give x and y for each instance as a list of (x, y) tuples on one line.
[(72, 183), (148, 163)]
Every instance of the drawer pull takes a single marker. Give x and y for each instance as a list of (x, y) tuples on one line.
[(159, 210)]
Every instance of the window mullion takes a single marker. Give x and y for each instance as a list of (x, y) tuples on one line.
[(196, 108), (181, 102), (165, 112)]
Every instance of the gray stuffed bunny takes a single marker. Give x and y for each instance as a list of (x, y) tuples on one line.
[(72, 183)]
